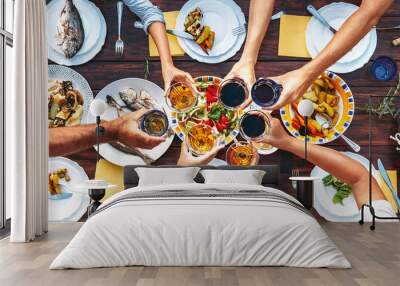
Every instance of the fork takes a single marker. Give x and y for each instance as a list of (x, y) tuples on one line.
[(295, 173), (119, 44), (239, 30)]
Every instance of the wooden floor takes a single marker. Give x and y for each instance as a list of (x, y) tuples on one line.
[(375, 257)]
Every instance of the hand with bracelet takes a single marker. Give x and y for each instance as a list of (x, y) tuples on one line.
[(125, 129)]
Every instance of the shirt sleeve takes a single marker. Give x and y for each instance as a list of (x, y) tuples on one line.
[(382, 208), (146, 11)]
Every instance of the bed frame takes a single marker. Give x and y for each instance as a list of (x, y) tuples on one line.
[(270, 179)]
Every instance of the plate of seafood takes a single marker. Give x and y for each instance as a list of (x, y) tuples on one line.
[(76, 31), (212, 24), (66, 201), (129, 95), (333, 110), (69, 97)]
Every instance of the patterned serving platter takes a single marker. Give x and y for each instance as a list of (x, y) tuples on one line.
[(178, 126), (346, 112)]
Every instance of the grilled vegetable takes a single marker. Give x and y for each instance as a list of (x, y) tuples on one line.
[(203, 35)]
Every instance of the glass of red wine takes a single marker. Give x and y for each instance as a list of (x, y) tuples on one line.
[(265, 92), (233, 93), (255, 125)]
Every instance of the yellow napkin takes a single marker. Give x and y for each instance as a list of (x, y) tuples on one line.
[(175, 49), (112, 174), (385, 189), (292, 36)]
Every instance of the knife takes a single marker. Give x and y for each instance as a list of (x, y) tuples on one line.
[(180, 34), (386, 178), (311, 9)]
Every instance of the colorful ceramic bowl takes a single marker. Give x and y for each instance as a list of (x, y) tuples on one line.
[(346, 112), (178, 121)]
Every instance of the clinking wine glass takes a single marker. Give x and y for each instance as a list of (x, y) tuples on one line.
[(233, 93), (255, 125), (265, 92), (201, 139), (154, 122), (180, 97), (242, 153)]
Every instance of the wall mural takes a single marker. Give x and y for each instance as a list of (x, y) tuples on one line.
[(93, 74)]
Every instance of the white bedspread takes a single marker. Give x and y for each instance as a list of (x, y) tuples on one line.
[(200, 231)]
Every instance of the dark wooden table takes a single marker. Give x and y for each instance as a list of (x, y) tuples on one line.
[(106, 67)]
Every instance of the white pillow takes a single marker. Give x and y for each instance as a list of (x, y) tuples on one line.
[(247, 177), (166, 176)]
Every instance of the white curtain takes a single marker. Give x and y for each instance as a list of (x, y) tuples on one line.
[(26, 123)]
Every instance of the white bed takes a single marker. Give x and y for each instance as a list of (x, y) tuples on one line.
[(258, 226)]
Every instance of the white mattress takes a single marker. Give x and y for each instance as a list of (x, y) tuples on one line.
[(192, 231)]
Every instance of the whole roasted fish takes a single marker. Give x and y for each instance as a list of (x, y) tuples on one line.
[(135, 101), (70, 33)]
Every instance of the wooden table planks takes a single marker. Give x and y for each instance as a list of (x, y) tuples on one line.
[(107, 67)]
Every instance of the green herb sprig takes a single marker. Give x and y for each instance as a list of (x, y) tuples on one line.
[(146, 68), (386, 105)]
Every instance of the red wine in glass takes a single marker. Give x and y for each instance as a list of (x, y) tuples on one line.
[(265, 92), (255, 125), (233, 93)]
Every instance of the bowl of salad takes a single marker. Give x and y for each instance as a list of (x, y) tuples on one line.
[(207, 111)]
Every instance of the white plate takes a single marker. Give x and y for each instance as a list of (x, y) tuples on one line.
[(74, 207), (323, 195), (94, 26), (79, 83), (336, 14), (222, 17), (317, 36), (106, 150)]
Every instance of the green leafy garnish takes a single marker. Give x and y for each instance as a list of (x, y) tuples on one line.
[(215, 112), (343, 190)]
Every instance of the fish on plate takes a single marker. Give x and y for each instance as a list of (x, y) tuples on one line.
[(70, 34), (133, 101)]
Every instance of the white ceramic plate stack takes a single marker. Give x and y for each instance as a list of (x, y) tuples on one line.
[(78, 82), (94, 26), (73, 207), (222, 17), (109, 152), (323, 195), (318, 36)]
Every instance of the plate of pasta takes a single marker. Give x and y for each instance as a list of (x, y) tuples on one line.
[(333, 110), (69, 97)]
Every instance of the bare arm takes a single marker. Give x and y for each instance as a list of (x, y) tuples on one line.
[(333, 162), (352, 31), (153, 23), (259, 18), (158, 33), (296, 82), (69, 140), (169, 71)]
